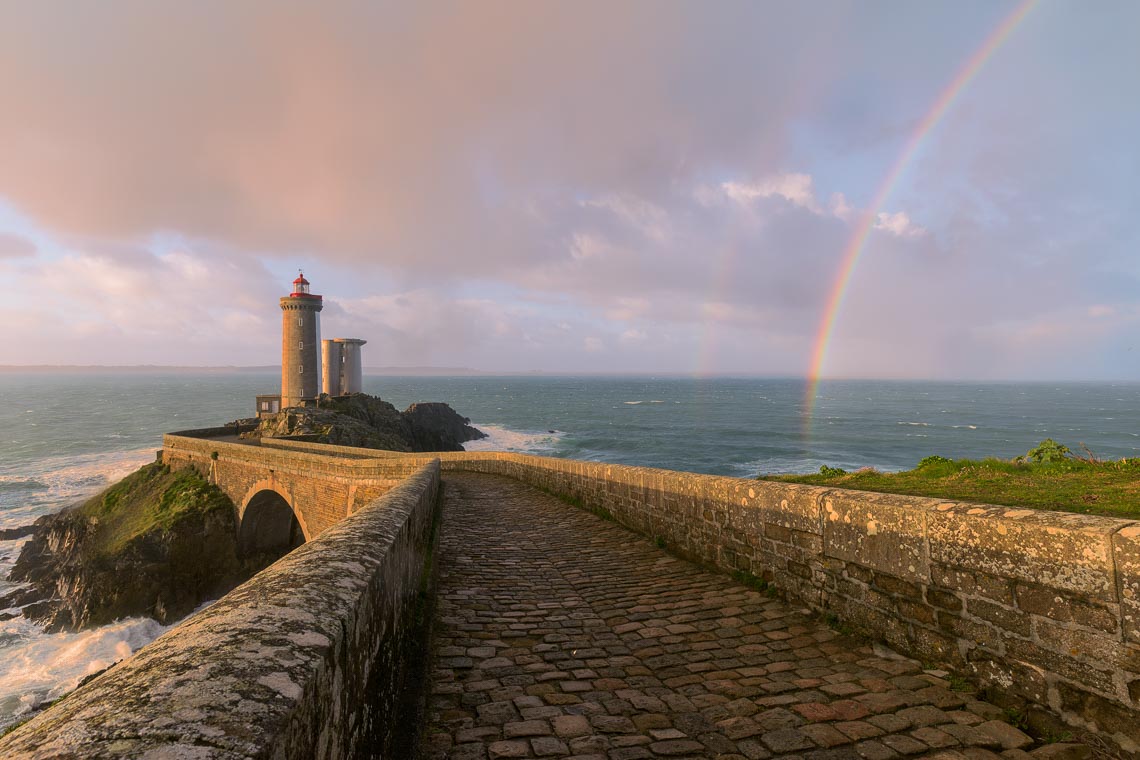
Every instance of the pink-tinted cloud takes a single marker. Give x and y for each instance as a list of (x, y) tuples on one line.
[(13, 247)]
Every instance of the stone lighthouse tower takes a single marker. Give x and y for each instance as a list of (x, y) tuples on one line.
[(300, 345)]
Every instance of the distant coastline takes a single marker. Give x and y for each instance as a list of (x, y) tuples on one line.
[(230, 369)]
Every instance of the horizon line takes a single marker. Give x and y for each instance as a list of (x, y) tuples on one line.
[(445, 371)]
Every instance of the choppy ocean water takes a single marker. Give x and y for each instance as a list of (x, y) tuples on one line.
[(64, 437)]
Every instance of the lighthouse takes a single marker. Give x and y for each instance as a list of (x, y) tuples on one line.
[(300, 345)]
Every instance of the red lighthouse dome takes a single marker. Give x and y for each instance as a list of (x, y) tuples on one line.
[(300, 285)]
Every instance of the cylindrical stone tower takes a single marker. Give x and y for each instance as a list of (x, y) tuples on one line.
[(330, 367), (300, 336), (352, 368)]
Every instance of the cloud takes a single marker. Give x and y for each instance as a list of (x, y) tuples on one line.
[(379, 136), (13, 247), (132, 306), (633, 336), (649, 219), (795, 188), (471, 187), (839, 206), (898, 224)]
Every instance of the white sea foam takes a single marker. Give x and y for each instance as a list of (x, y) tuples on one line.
[(51, 483), (966, 427), (918, 424), (500, 438), (36, 667), (649, 401)]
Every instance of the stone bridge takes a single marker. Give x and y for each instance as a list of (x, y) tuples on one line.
[(284, 497), (602, 611)]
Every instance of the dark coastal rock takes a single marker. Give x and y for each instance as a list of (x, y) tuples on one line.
[(156, 544), (371, 422), (437, 427), (11, 534)]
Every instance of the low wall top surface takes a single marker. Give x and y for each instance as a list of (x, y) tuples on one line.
[(279, 667), (282, 457)]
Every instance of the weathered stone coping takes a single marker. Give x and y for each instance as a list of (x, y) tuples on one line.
[(302, 661), (216, 432), (283, 458), (1038, 604)]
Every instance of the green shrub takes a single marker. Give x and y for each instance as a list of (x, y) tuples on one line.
[(831, 472), (934, 459), (1048, 451)]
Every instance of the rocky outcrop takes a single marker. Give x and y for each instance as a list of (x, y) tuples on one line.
[(437, 427), (156, 544), (370, 422)]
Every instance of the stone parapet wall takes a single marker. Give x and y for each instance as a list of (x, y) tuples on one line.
[(305, 660), (1040, 605), (322, 488), (280, 459), (1037, 604)]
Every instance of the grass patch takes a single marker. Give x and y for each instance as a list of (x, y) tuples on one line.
[(957, 683), (753, 582), (1065, 484), (1016, 718), (152, 497), (601, 512), (659, 542), (837, 625)]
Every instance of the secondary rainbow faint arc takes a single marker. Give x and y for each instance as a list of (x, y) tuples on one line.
[(858, 242)]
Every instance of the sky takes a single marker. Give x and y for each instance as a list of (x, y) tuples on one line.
[(648, 187)]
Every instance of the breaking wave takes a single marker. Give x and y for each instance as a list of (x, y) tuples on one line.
[(500, 438)]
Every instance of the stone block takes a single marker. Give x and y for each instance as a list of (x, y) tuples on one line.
[(1009, 676), (1067, 608), (898, 587), (788, 505), (1106, 715), (778, 533), (1060, 664), (915, 611), (883, 532), (969, 630), (1006, 618), (859, 573), (1100, 648), (947, 600), (1126, 552), (933, 645), (1005, 734), (1027, 545), (972, 582)]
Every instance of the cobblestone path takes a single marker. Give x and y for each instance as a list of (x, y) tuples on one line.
[(558, 634)]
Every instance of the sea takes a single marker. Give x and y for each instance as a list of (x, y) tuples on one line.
[(64, 436)]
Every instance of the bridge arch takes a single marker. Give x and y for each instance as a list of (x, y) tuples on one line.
[(268, 521)]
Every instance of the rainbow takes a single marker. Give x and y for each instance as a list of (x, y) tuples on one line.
[(866, 221)]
